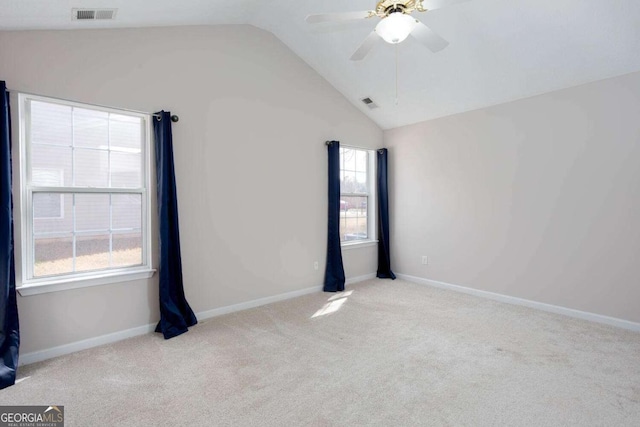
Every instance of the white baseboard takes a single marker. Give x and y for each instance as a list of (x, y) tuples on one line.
[(49, 353), (256, 303), (275, 298), (620, 323), (356, 279)]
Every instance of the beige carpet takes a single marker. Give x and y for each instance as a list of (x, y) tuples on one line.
[(388, 354)]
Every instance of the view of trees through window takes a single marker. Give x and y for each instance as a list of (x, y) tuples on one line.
[(354, 194)]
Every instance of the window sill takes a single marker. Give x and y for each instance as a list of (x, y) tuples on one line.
[(53, 284), (358, 244)]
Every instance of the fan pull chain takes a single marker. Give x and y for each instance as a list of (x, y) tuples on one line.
[(396, 73)]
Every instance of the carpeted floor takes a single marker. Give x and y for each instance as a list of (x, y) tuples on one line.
[(384, 353)]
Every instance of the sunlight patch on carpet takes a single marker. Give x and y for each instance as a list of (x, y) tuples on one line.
[(334, 303)]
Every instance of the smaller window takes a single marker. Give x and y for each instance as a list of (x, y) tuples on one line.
[(357, 199)]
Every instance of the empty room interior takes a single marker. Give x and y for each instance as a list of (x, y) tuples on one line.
[(250, 213)]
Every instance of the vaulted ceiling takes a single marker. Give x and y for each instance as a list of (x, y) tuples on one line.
[(499, 50)]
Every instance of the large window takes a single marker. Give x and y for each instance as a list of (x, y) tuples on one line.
[(357, 201), (84, 191)]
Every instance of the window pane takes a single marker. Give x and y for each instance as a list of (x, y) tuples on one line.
[(91, 167), (127, 250), (92, 212), (53, 256), (127, 211), (353, 218), (52, 213), (48, 206), (90, 128), (47, 177), (92, 252), (349, 183), (50, 165), (361, 182), (349, 158), (50, 123), (126, 133), (126, 170), (361, 161)]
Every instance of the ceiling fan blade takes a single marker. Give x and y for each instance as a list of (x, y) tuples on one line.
[(338, 17), (437, 4), (366, 46), (427, 37)]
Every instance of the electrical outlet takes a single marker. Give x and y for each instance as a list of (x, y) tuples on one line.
[(315, 265), (425, 260)]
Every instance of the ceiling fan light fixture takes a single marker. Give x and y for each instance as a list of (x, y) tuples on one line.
[(395, 27)]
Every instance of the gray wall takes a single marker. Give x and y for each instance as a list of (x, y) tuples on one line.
[(250, 161), (538, 198)]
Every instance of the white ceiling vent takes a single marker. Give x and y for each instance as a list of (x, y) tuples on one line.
[(369, 103), (92, 14)]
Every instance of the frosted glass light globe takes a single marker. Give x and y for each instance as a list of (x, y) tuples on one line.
[(395, 27)]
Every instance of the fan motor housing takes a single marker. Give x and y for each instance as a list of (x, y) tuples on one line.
[(386, 7)]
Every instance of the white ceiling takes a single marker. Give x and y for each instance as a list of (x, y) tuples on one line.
[(500, 50)]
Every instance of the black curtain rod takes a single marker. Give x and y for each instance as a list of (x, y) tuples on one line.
[(354, 146)]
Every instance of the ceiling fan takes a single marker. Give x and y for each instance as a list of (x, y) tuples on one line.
[(395, 25)]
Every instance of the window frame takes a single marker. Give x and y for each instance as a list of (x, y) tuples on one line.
[(26, 283), (371, 239)]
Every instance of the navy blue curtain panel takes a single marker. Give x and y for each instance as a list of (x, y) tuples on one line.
[(334, 271), (175, 314), (9, 327), (384, 256)]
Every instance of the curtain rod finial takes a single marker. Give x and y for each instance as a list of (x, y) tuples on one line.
[(175, 118)]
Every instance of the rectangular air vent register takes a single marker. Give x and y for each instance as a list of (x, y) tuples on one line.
[(369, 103), (93, 14)]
